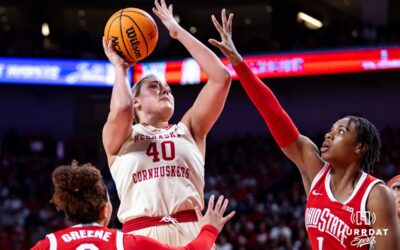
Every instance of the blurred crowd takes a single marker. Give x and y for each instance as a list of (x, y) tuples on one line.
[(262, 185)]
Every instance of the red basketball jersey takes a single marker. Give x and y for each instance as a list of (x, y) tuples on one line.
[(83, 237), (96, 237), (334, 225)]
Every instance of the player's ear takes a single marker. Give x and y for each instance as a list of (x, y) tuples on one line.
[(103, 213), (361, 148), (136, 102)]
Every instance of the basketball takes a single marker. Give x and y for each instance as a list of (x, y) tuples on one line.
[(133, 32)]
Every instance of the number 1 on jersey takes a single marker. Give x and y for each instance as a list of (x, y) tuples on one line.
[(167, 151), (320, 242)]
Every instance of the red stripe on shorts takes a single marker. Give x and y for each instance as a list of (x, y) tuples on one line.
[(149, 221)]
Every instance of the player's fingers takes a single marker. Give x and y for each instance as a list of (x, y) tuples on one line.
[(219, 203), (110, 44), (228, 217), (211, 203), (198, 213), (215, 43), (171, 8), (104, 43), (224, 206), (156, 12), (230, 23), (163, 4), (216, 24), (223, 18), (157, 4)]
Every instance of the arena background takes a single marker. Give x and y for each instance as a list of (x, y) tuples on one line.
[(44, 126)]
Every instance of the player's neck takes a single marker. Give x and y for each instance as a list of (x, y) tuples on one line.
[(344, 180), (154, 120), (156, 124), (95, 223)]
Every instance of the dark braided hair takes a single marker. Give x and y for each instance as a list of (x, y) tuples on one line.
[(367, 134), (79, 192)]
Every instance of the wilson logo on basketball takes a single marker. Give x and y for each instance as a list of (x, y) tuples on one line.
[(135, 43)]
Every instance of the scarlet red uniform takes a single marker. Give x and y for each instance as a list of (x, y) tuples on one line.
[(334, 225), (95, 237)]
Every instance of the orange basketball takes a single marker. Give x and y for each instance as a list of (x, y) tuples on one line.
[(133, 32)]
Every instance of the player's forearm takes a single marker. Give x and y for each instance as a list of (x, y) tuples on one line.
[(204, 240), (208, 61), (281, 126), (121, 97)]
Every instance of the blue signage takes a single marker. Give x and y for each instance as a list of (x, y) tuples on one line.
[(57, 72)]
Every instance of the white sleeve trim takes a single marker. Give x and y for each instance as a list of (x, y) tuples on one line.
[(53, 241), (364, 199), (120, 240), (318, 176)]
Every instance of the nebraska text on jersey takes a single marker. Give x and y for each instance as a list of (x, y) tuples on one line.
[(138, 138)]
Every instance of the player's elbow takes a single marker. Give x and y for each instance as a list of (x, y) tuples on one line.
[(224, 76)]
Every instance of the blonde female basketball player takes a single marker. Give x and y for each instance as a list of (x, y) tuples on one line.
[(346, 207), (158, 168)]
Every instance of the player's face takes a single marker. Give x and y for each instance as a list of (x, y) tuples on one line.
[(396, 191), (155, 98), (340, 146)]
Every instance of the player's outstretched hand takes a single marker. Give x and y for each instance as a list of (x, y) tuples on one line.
[(165, 13), (226, 44), (215, 214)]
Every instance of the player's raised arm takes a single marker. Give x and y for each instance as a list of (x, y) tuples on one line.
[(120, 118), (298, 148), (210, 101)]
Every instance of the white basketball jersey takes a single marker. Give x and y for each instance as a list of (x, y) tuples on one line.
[(158, 172)]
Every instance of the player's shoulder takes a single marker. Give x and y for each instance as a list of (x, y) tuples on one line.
[(42, 245), (380, 191), (380, 194)]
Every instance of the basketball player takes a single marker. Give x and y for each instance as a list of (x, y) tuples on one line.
[(344, 202), (394, 184), (81, 194), (158, 168)]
